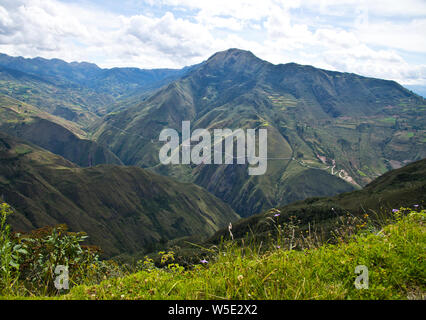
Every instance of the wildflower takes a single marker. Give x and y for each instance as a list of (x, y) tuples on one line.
[(278, 247), (395, 210), (276, 215), (204, 261), (416, 206)]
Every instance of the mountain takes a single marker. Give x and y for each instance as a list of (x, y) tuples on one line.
[(77, 91), (67, 101), (52, 133), (114, 81), (123, 209), (397, 188), (328, 132)]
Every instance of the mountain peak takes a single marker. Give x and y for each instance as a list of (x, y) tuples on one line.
[(234, 60), (232, 53)]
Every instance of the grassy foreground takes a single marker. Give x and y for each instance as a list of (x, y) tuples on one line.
[(394, 256)]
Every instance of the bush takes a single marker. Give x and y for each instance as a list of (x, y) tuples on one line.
[(49, 247), (9, 252), (28, 260)]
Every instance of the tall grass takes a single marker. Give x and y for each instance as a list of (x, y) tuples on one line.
[(297, 262), (394, 256)]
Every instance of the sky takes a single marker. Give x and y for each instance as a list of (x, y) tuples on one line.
[(382, 38)]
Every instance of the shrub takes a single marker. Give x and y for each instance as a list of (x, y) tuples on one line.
[(28, 260), (49, 247), (9, 252)]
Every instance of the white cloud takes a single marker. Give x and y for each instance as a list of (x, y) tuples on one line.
[(379, 64), (365, 37), (338, 38), (409, 36)]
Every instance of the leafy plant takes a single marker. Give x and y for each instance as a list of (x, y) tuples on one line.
[(9, 252), (28, 260), (49, 247)]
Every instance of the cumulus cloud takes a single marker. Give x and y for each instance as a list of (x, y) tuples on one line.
[(381, 38)]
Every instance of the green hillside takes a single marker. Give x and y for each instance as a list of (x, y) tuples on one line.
[(402, 187), (52, 133), (393, 257), (341, 130), (78, 91), (124, 209), (79, 166), (68, 102), (290, 264)]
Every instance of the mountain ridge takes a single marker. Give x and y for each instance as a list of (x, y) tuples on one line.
[(403, 187), (84, 86), (124, 209), (52, 133), (310, 114), (340, 129)]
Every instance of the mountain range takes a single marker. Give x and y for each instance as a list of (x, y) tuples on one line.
[(339, 129), (80, 144)]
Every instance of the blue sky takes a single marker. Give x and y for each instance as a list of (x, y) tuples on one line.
[(382, 38)]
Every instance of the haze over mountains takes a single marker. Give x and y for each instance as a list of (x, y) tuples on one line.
[(328, 133)]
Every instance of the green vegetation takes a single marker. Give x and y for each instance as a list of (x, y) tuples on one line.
[(307, 250), (401, 187), (353, 120), (51, 133), (8, 252), (78, 91), (361, 173), (28, 260), (22, 150), (125, 210), (68, 103), (393, 253), (388, 120), (12, 110), (329, 133)]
